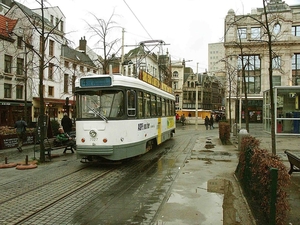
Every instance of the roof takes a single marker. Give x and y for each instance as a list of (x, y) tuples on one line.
[(75, 55), (33, 15), (6, 26)]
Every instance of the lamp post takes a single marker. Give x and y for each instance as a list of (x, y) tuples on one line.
[(240, 103), (196, 110)]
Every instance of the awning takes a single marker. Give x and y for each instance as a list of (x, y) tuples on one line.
[(55, 101)]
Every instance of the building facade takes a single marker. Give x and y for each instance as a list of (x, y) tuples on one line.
[(62, 65), (246, 50), (216, 59)]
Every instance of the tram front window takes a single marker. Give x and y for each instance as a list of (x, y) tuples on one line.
[(100, 104)]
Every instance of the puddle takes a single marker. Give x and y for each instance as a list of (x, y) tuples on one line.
[(225, 187), (211, 203)]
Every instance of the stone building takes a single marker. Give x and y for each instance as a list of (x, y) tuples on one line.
[(246, 47)]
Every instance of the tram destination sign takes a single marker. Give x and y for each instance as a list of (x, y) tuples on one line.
[(95, 81)]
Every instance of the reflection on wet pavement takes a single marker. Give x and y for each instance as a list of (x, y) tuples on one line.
[(223, 186), (214, 205)]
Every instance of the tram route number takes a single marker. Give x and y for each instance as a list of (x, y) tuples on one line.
[(143, 126)]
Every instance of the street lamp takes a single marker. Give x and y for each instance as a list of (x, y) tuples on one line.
[(196, 111)]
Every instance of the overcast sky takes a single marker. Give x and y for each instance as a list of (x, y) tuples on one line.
[(186, 26)]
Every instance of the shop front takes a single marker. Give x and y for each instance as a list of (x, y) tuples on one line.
[(287, 110), (254, 110), (11, 110)]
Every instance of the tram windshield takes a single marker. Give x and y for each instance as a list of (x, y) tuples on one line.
[(104, 104)]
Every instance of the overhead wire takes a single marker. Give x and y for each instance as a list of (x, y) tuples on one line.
[(137, 19)]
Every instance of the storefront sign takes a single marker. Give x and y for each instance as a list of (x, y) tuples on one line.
[(10, 141)]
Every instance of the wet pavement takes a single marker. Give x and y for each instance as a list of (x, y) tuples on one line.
[(205, 190)]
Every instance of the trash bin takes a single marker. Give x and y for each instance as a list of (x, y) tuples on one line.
[(242, 133)]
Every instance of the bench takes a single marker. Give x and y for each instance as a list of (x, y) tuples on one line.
[(294, 162), (52, 144)]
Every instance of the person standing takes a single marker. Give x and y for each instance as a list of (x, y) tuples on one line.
[(66, 123), (206, 122), (20, 126), (211, 122)]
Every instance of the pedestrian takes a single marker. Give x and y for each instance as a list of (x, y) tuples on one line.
[(177, 117), (66, 123), (182, 119), (206, 122), (211, 122), (65, 139), (20, 126)]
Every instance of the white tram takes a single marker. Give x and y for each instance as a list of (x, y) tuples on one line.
[(119, 117)]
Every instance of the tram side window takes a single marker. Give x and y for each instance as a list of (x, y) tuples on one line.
[(159, 106), (172, 108), (147, 105), (167, 108), (153, 106), (131, 103), (163, 108), (140, 105)]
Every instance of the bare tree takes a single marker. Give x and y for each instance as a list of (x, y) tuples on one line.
[(231, 71), (102, 30)]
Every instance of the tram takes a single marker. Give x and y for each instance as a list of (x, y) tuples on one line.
[(120, 117)]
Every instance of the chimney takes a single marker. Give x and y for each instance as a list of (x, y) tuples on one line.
[(82, 45)]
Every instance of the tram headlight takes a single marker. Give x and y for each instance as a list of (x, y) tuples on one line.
[(93, 133)]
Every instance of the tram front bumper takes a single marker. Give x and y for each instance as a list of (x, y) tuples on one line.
[(94, 150)]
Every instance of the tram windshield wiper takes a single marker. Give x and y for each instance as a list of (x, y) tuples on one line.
[(98, 113)]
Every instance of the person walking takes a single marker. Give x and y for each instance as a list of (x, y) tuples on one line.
[(66, 123), (182, 119), (211, 122), (20, 126), (206, 122)]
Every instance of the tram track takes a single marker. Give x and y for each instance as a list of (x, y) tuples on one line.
[(19, 208), (92, 194), (65, 195), (35, 187)]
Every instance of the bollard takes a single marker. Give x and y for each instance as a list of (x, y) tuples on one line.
[(242, 133), (274, 181), (234, 129)]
